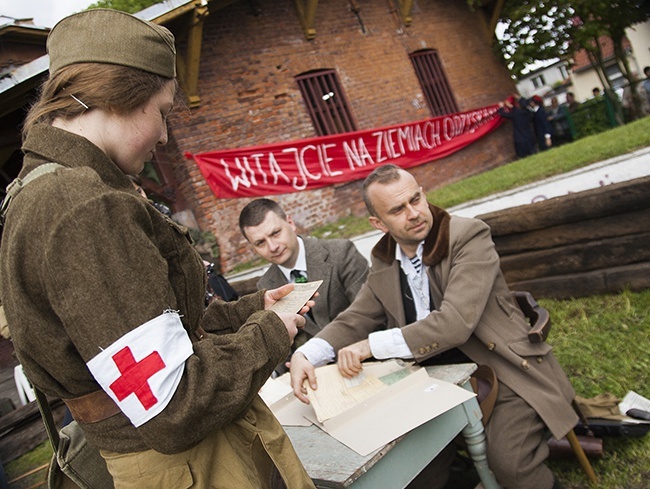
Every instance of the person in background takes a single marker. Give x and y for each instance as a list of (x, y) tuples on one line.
[(436, 295), (105, 295), (337, 262), (645, 89), (541, 124), (596, 93), (557, 116), (571, 103), (522, 124)]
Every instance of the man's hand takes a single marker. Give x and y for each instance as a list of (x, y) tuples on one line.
[(300, 371), (350, 358)]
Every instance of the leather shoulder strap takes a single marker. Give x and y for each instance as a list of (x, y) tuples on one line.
[(17, 185)]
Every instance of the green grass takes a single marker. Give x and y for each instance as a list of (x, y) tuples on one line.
[(38, 457), (602, 344)]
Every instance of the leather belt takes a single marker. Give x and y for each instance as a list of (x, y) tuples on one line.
[(93, 407)]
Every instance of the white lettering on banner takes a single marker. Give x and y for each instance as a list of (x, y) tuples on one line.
[(330, 159), (359, 156), (258, 164), (276, 171)]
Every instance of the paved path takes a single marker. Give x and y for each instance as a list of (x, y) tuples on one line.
[(614, 170)]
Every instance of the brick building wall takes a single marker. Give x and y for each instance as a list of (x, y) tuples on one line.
[(249, 96)]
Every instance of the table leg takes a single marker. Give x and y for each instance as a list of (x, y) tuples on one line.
[(474, 435)]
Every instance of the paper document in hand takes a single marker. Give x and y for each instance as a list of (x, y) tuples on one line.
[(297, 298), (336, 394)]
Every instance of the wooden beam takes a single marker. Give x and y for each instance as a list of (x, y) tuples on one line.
[(405, 8), (496, 13), (193, 57), (307, 14)]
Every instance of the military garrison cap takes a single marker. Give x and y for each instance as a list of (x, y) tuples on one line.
[(113, 37)]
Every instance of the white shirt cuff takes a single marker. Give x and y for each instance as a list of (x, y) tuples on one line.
[(389, 344), (318, 352)]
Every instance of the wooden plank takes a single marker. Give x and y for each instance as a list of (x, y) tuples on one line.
[(577, 258), (564, 234), (27, 434), (613, 199), (608, 281)]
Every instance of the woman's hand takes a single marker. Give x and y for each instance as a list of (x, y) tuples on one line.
[(274, 295)]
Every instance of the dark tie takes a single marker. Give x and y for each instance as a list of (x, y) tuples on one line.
[(417, 264), (298, 277)]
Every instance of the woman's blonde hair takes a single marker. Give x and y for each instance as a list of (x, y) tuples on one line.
[(86, 86)]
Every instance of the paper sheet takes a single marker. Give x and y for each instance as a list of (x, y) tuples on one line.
[(278, 396), (294, 301), (336, 394), (633, 400), (403, 406)]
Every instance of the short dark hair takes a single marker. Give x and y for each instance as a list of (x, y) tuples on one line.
[(646, 70), (382, 175), (255, 212)]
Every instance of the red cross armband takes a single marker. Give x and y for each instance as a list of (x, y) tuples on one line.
[(141, 370)]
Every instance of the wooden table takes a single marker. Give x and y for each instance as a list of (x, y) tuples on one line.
[(333, 465)]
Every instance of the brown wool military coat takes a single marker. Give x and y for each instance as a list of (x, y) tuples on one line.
[(340, 266), (84, 260), (475, 313)]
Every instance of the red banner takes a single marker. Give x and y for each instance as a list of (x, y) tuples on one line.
[(312, 163)]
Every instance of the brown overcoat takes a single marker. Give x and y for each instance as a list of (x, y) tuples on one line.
[(84, 260), (474, 312)]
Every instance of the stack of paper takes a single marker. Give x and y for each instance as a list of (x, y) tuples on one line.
[(388, 400)]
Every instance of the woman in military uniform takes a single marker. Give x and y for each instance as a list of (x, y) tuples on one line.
[(105, 294)]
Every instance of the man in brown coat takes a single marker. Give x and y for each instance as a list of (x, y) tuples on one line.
[(436, 294)]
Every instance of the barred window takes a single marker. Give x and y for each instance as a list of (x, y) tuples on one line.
[(326, 102), (433, 81)]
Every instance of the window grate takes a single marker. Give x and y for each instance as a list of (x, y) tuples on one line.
[(326, 102), (433, 81)]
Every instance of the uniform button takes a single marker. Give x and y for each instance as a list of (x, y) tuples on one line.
[(435, 345), (422, 351), (539, 359), (250, 417), (525, 365), (491, 346)]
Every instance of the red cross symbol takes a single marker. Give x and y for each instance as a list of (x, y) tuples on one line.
[(135, 376)]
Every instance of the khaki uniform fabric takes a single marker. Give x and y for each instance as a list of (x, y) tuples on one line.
[(84, 260)]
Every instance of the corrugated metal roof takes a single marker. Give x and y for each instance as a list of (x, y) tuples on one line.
[(40, 65), (161, 8), (24, 73)]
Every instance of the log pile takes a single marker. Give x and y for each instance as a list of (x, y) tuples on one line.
[(584, 243)]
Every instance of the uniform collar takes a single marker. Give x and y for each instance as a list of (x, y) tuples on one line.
[(46, 143)]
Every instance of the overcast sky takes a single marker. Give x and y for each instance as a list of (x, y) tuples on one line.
[(45, 13)]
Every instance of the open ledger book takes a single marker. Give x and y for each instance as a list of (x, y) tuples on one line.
[(387, 400)]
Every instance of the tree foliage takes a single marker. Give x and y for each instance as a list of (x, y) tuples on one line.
[(537, 30)]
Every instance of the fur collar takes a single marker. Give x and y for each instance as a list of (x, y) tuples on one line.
[(436, 244)]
